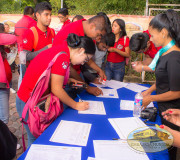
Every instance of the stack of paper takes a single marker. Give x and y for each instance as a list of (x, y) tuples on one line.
[(115, 84), (69, 132), (95, 107), (135, 87), (129, 105), (109, 93), (112, 84), (116, 150), (124, 126), (49, 152)]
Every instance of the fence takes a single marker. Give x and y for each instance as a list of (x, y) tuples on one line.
[(114, 9)]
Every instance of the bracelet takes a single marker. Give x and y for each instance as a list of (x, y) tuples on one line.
[(142, 68)]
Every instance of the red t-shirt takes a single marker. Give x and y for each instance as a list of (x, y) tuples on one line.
[(121, 45), (7, 70), (43, 39), (38, 66), (21, 27), (66, 23), (152, 50), (75, 27)]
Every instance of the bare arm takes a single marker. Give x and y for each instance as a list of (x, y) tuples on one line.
[(94, 66), (147, 60), (167, 96), (175, 134), (57, 90), (124, 54), (91, 90)]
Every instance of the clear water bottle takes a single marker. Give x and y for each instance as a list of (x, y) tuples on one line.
[(137, 105)]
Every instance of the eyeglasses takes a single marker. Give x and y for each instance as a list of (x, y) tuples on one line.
[(87, 58), (61, 17)]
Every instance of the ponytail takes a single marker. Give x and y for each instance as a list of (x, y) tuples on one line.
[(138, 41), (169, 20), (75, 41)]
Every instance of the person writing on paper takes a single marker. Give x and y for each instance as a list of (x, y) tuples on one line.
[(140, 43), (79, 50), (165, 31), (172, 116)]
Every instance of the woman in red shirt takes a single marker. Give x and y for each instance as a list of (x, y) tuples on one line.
[(78, 51), (115, 66)]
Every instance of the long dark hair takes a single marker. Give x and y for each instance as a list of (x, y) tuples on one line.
[(121, 24), (138, 41), (169, 20), (3, 53), (75, 41)]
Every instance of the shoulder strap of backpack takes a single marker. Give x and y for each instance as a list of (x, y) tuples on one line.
[(41, 77), (125, 40), (52, 32), (36, 37)]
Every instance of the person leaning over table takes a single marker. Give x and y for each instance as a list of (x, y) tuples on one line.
[(78, 50), (164, 29)]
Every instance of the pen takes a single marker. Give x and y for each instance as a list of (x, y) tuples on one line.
[(79, 98), (136, 59)]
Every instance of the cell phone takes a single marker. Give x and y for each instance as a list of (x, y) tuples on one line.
[(78, 85)]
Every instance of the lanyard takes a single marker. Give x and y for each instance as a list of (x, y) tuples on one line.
[(159, 54)]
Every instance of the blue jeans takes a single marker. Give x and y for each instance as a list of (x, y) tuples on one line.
[(4, 104), (21, 74), (20, 106), (115, 71)]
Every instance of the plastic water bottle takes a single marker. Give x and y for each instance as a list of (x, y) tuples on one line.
[(137, 105)]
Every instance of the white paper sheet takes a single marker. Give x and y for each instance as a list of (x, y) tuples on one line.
[(112, 84), (99, 85), (135, 87), (91, 158), (109, 93), (95, 107), (129, 105), (115, 84), (49, 152), (124, 126), (70, 132), (116, 150)]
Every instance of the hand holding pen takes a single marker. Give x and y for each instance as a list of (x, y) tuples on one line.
[(82, 105)]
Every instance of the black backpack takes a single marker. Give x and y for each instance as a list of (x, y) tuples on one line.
[(8, 143)]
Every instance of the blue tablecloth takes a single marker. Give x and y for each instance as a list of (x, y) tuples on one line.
[(101, 128)]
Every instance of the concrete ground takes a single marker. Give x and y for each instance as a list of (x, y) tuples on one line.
[(14, 122)]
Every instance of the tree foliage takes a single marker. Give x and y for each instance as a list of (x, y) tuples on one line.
[(86, 7)]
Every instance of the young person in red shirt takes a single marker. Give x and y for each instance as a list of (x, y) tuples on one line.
[(140, 43), (115, 66), (63, 16), (79, 50), (94, 28), (37, 38), (26, 22), (45, 35)]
